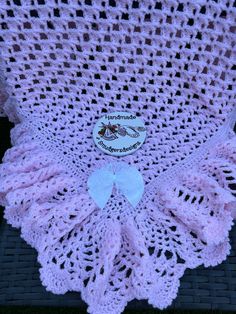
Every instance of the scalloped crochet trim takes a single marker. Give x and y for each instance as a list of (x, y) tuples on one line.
[(7, 102), (3, 98), (3, 93)]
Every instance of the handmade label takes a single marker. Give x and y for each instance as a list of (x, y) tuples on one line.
[(119, 133)]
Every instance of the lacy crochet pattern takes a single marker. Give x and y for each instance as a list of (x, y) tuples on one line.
[(64, 64)]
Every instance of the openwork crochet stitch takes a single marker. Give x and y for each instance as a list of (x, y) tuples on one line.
[(64, 64)]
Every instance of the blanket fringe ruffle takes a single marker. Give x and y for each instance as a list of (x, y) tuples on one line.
[(203, 197), (37, 192)]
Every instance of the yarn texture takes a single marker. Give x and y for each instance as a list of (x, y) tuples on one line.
[(64, 64)]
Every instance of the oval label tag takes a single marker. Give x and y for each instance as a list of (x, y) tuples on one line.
[(119, 133)]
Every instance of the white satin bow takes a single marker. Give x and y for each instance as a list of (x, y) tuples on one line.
[(127, 179)]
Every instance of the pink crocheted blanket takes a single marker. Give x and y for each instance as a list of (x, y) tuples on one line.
[(66, 63)]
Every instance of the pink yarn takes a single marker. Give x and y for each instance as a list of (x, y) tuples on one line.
[(63, 65)]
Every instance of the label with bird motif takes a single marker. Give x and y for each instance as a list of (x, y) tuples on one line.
[(119, 133)]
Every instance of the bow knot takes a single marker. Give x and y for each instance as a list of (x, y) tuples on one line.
[(127, 179)]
